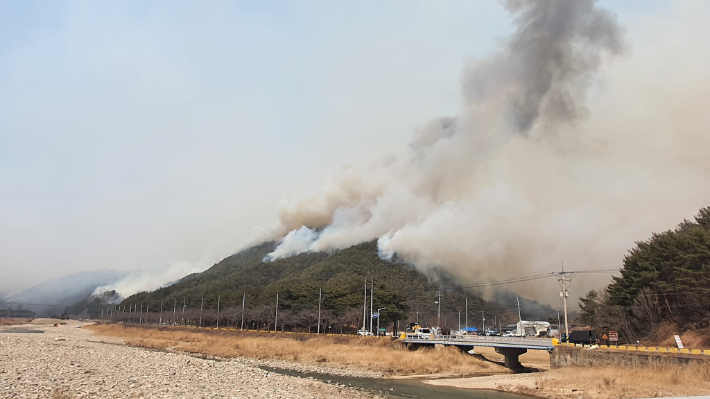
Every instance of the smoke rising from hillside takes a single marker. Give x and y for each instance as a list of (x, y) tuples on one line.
[(545, 162), (150, 279)]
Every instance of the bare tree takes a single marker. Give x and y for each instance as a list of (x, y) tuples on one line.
[(308, 318), (351, 319), (646, 310)]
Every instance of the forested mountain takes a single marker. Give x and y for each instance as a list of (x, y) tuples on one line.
[(298, 279), (665, 280)]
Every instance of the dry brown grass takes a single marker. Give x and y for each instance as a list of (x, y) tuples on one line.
[(620, 382), (381, 355), (664, 336), (13, 321)]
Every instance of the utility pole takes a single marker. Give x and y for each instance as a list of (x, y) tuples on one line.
[(183, 311), (161, 311), (563, 278), (459, 319), (517, 300), (174, 310), (320, 294), (244, 298), (438, 314), (102, 313), (140, 315), (147, 305), (466, 318), (202, 304), (364, 310), (483, 316), (218, 296), (276, 319), (417, 316), (372, 301)]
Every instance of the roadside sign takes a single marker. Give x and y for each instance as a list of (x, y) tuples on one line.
[(677, 341), (614, 336), (375, 315), (605, 337)]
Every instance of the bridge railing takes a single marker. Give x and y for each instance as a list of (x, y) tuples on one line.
[(482, 340)]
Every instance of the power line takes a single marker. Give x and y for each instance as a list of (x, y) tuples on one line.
[(524, 279)]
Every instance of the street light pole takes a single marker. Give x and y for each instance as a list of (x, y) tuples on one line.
[(364, 310)]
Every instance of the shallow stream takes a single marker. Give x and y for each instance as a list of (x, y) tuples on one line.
[(397, 389)]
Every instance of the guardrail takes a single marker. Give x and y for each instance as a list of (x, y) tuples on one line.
[(638, 348)]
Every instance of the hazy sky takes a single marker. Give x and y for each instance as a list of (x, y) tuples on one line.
[(144, 134)]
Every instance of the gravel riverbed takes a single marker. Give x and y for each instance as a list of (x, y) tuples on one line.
[(68, 362)]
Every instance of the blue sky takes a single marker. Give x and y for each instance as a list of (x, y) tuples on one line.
[(139, 134)]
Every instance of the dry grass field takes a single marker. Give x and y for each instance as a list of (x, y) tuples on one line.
[(595, 383), (619, 382), (381, 355), (13, 321)]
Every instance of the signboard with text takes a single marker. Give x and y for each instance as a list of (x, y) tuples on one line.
[(613, 336), (677, 341)]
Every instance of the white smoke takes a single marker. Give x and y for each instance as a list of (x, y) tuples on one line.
[(533, 171), (150, 279)]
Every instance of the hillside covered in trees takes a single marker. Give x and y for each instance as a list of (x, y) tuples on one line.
[(664, 286), (405, 292)]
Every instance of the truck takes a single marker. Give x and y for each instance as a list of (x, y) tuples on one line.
[(584, 337), (527, 329), (414, 329)]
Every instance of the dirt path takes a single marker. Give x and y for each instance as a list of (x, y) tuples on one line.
[(68, 362)]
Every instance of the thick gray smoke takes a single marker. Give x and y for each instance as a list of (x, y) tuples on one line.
[(545, 163), (545, 71)]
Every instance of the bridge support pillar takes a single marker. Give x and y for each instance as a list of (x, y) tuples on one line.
[(414, 346), (511, 356), (465, 348)]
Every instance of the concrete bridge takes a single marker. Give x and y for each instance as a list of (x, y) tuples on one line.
[(510, 347)]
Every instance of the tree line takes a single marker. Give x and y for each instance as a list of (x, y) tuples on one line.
[(406, 293), (664, 280)]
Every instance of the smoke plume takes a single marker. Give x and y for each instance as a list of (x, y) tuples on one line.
[(150, 279), (545, 162)]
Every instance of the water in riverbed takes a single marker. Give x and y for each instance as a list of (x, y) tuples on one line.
[(397, 389), (20, 331)]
